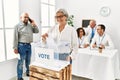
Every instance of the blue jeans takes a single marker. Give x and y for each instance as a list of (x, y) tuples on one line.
[(62, 56), (25, 54)]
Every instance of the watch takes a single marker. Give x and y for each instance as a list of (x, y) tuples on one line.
[(105, 11)]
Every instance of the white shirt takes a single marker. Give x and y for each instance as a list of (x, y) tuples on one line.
[(104, 40), (88, 32), (82, 41), (67, 39)]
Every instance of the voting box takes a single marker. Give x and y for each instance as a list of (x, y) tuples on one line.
[(44, 54)]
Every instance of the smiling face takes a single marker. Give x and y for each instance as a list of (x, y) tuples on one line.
[(92, 23), (61, 18), (24, 18), (81, 33), (100, 30)]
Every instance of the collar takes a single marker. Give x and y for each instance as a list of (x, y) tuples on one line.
[(65, 25), (21, 23), (82, 37), (102, 35)]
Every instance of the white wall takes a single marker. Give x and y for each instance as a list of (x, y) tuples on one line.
[(8, 68), (90, 9)]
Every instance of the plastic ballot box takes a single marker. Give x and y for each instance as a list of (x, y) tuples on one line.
[(44, 54), (50, 70)]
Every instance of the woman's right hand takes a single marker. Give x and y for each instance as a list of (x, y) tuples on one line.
[(44, 36)]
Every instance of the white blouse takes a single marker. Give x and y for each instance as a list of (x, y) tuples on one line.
[(66, 40), (82, 41)]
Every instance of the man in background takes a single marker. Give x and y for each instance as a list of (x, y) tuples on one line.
[(91, 30), (102, 39), (23, 36)]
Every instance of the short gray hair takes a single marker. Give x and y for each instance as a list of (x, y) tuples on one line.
[(65, 13)]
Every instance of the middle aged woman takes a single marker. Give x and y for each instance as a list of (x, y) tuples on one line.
[(64, 36)]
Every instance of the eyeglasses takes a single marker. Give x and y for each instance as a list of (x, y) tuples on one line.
[(59, 16)]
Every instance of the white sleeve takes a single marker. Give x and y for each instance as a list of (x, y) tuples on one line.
[(74, 44), (110, 43), (93, 41)]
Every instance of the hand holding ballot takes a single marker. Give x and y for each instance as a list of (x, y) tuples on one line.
[(44, 36)]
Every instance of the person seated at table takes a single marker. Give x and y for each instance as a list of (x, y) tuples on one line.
[(82, 40), (91, 30), (101, 39)]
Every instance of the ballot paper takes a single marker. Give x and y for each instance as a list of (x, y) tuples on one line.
[(50, 43)]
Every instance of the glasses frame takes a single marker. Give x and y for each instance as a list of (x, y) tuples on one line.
[(61, 16)]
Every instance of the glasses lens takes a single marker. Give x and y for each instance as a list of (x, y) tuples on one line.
[(59, 16)]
